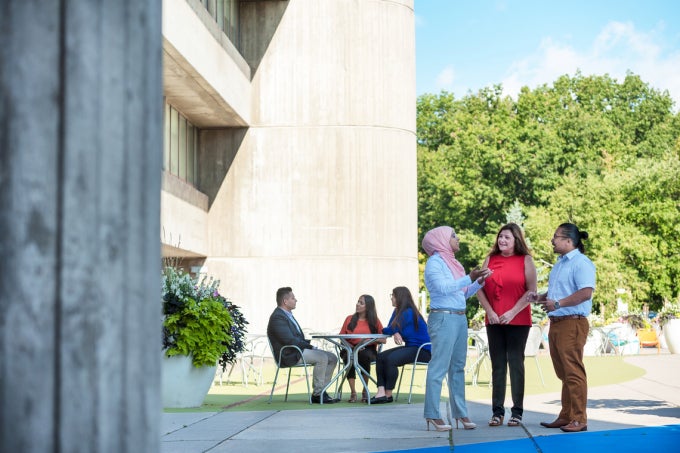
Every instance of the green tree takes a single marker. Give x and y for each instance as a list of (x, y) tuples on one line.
[(602, 154)]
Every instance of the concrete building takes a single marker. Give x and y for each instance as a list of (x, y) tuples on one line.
[(290, 151)]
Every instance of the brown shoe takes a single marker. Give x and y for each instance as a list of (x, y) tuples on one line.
[(574, 427), (560, 422)]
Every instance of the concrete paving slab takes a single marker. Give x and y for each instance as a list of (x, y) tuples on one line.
[(653, 400)]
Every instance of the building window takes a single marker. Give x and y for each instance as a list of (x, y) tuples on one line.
[(225, 13), (180, 145)]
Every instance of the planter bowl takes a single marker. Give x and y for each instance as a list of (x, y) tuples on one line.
[(671, 332), (182, 384)]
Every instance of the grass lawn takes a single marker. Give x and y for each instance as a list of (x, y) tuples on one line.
[(235, 396)]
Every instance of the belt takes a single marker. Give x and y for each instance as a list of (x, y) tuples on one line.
[(562, 318), (444, 310)]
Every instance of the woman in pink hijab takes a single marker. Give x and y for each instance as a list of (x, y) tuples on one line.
[(449, 288)]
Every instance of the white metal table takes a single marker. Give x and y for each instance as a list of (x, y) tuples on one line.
[(341, 341)]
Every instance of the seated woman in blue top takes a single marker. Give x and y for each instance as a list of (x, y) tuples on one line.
[(407, 327)]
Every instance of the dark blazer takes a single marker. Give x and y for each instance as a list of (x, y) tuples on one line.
[(282, 331)]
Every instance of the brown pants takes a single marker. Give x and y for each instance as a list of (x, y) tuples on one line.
[(567, 339)]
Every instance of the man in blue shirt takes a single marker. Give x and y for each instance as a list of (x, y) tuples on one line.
[(568, 303)]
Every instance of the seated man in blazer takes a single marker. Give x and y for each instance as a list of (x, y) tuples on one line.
[(284, 330)]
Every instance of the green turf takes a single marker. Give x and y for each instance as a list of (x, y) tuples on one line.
[(235, 396)]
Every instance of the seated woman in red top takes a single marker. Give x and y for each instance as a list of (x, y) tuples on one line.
[(508, 318), (363, 321)]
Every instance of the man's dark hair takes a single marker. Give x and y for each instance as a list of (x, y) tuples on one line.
[(281, 293), (577, 236)]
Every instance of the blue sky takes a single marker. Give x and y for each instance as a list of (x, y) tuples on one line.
[(465, 45)]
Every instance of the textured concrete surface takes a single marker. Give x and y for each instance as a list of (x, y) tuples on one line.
[(653, 400)]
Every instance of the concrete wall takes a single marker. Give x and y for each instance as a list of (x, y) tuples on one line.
[(184, 225), (80, 159), (204, 78), (321, 194)]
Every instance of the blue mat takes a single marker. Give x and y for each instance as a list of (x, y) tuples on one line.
[(660, 439)]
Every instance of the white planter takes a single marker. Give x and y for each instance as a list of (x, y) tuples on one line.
[(671, 332), (182, 384)]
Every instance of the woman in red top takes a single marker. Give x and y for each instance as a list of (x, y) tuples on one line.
[(508, 317), (364, 320)]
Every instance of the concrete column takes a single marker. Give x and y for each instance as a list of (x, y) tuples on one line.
[(80, 162), (321, 194)]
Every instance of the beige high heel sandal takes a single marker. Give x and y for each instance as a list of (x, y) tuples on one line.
[(467, 424), (438, 424)]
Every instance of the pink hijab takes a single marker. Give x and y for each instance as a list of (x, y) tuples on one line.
[(437, 240)]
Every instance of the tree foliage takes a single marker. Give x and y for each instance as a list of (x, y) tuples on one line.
[(589, 150)]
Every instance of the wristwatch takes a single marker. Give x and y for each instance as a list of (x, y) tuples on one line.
[(557, 304)]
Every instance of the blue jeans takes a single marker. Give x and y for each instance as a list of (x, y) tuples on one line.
[(448, 333)]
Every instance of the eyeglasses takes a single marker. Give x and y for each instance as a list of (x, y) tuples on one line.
[(454, 236)]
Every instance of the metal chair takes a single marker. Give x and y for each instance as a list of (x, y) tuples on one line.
[(624, 340), (290, 368), (413, 366), (533, 345), (250, 360), (482, 347)]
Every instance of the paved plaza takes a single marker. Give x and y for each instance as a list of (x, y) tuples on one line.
[(650, 401)]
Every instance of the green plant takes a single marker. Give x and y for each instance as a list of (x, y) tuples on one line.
[(595, 320), (198, 321), (238, 334), (636, 320), (199, 329), (668, 312), (477, 321), (537, 314)]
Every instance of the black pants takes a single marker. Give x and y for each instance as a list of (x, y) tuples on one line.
[(366, 356), (506, 350), (388, 362)]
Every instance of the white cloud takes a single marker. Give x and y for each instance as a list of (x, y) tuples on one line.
[(445, 78), (618, 48)]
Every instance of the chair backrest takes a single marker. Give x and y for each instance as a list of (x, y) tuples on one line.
[(271, 348), (259, 347), (621, 334), (533, 341), (277, 360), (647, 337), (481, 340), (416, 361)]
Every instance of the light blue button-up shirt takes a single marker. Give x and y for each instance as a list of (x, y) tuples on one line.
[(571, 272), (293, 320), (446, 292)]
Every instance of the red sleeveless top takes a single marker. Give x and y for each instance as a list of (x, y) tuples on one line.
[(506, 285)]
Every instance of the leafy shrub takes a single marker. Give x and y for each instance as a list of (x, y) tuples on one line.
[(668, 312), (198, 321)]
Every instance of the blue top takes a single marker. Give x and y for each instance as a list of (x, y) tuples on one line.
[(446, 292), (407, 329), (571, 272)]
